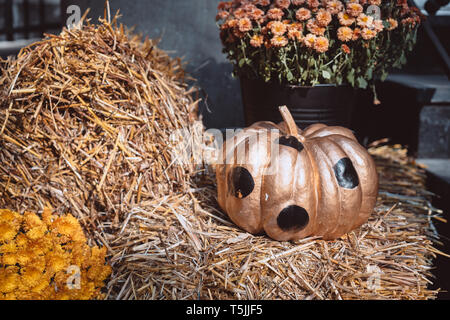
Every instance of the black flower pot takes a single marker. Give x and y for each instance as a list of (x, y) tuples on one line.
[(327, 104)]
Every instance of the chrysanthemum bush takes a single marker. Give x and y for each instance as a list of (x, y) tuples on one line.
[(48, 258), (310, 42)]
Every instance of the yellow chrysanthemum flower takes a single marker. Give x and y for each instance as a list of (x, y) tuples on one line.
[(48, 259)]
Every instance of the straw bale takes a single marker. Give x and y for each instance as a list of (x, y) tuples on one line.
[(184, 247), (85, 122)]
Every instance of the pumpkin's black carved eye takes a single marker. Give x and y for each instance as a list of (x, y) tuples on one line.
[(293, 218), (291, 142), (346, 174), (241, 182)]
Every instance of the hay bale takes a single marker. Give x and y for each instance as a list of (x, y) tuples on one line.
[(85, 120), (185, 248)]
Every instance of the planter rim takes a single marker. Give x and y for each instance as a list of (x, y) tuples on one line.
[(294, 86)]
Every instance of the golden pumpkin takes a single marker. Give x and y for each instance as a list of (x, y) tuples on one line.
[(321, 181)]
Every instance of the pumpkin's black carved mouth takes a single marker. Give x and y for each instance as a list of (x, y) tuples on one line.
[(293, 218)]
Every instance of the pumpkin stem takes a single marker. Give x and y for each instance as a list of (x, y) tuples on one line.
[(289, 120)]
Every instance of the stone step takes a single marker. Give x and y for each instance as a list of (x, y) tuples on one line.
[(438, 182), (431, 89), (438, 167)]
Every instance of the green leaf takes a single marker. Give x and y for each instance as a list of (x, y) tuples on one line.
[(362, 83), (305, 75), (326, 75), (403, 59), (351, 77), (369, 73), (289, 76), (241, 62)]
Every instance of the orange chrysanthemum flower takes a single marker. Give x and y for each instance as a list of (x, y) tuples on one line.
[(313, 4), (240, 13), (275, 14), (345, 34), (345, 48), (257, 15), (354, 9), (321, 44), (232, 23), (303, 14), (222, 15), (345, 19), (368, 34), (323, 18), (392, 24), (257, 40), (296, 26), (378, 25), (245, 25), (356, 34), (298, 2), (283, 4), (334, 6), (364, 21), (224, 5), (295, 34), (314, 28), (279, 41), (309, 40), (278, 28), (375, 2)]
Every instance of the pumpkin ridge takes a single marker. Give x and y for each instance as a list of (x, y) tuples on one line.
[(228, 150), (309, 132), (366, 196), (317, 191), (343, 216), (328, 131), (294, 180), (262, 197), (311, 218), (327, 227)]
